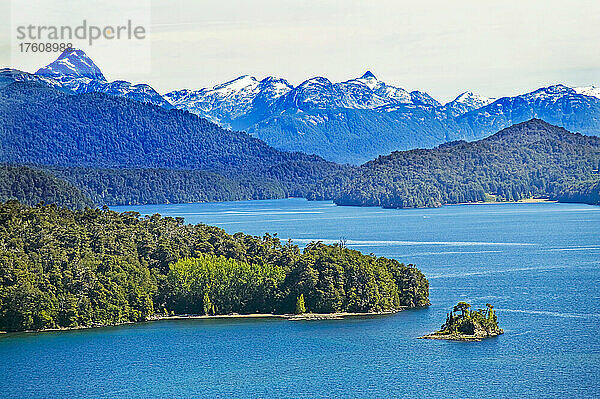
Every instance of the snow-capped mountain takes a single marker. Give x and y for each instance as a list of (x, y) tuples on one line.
[(358, 119), (466, 102), (350, 121), (558, 104), (366, 92), (592, 91), (9, 75), (72, 64), (244, 102), (75, 71), (380, 91), (226, 102)]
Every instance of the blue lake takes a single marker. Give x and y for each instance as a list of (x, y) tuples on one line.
[(539, 264)]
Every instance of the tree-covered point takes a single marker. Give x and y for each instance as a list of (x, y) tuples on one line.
[(32, 186), (531, 159), (166, 186), (65, 268), (587, 192)]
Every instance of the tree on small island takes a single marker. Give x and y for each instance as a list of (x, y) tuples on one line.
[(462, 307), (468, 325), (300, 307)]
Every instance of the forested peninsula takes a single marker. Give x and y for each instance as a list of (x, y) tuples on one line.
[(530, 160), (63, 268)]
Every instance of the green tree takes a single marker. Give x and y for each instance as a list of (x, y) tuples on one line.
[(463, 308), (207, 304), (300, 307)]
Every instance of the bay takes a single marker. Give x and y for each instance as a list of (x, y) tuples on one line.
[(539, 264)]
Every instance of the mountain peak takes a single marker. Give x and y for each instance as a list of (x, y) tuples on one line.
[(465, 95), (550, 92), (528, 127), (72, 63), (470, 98), (244, 82), (368, 75)]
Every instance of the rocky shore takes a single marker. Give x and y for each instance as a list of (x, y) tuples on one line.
[(477, 336)]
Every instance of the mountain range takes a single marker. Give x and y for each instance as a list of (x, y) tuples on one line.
[(114, 146), (73, 71), (346, 122), (357, 120)]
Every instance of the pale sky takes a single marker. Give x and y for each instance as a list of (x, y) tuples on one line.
[(495, 48)]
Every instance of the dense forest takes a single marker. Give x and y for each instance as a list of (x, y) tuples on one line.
[(587, 192), (77, 187), (118, 151), (66, 268), (163, 186), (32, 185), (44, 126), (531, 159)]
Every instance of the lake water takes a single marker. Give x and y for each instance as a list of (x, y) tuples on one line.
[(539, 264)]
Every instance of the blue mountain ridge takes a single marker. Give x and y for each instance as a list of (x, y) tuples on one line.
[(346, 122)]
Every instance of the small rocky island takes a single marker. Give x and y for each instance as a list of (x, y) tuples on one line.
[(463, 324)]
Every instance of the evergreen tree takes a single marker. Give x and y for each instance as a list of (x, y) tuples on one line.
[(300, 307), (207, 304)]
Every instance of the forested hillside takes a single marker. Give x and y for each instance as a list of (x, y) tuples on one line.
[(44, 126), (118, 151), (64, 268), (31, 186), (583, 192), (531, 159), (166, 186)]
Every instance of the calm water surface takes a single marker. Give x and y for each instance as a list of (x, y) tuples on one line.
[(539, 264)]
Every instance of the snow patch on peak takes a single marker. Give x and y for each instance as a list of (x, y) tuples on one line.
[(73, 52), (591, 91), (550, 92), (467, 101), (473, 99), (237, 84), (72, 63), (371, 82), (421, 98), (317, 80), (275, 87), (369, 93)]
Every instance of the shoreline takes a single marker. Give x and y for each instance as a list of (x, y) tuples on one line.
[(157, 317), (463, 337), (437, 206), (523, 201), (286, 316), (449, 337)]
